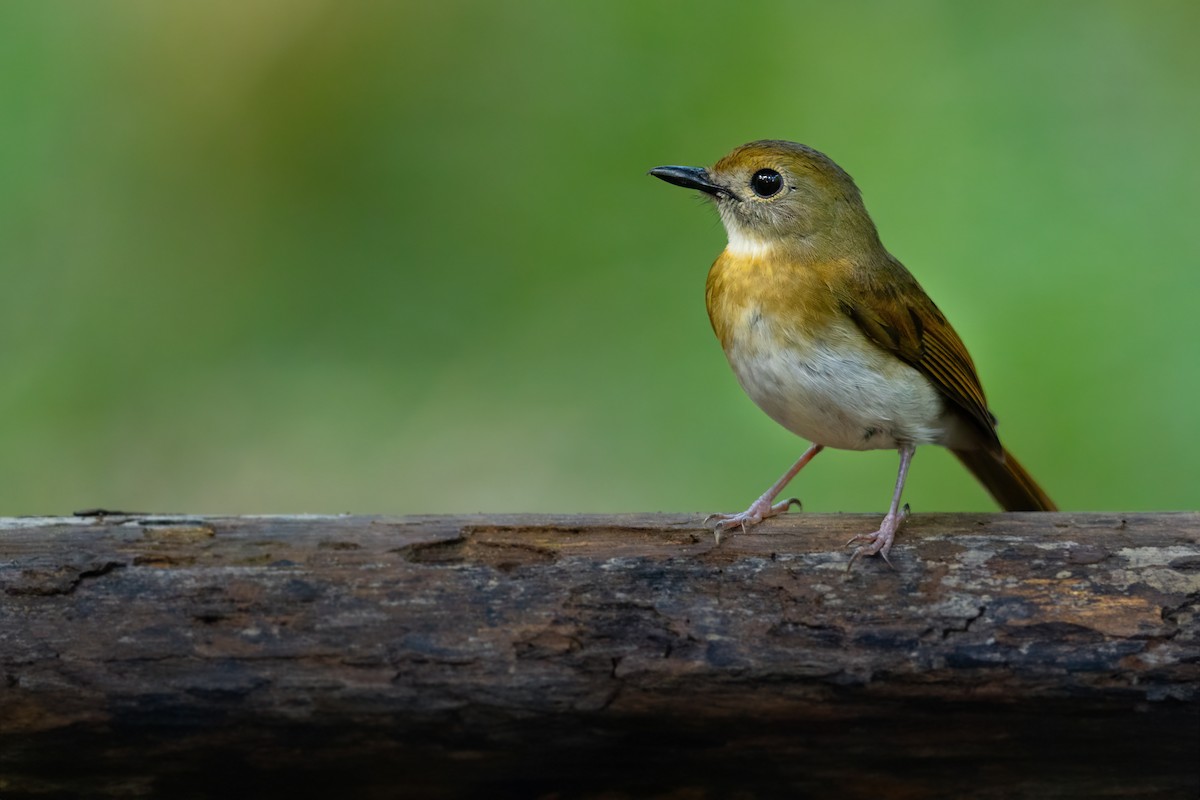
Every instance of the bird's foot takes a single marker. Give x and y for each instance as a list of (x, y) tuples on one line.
[(879, 542), (761, 509)]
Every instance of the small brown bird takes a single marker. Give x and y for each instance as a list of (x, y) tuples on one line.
[(832, 336)]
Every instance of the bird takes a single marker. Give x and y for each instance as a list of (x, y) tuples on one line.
[(833, 337)]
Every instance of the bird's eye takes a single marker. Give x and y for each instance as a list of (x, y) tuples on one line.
[(766, 182)]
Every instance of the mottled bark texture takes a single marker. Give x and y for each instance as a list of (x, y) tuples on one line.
[(1006, 655)]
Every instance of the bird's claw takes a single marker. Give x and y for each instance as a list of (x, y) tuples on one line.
[(879, 542), (866, 550), (756, 513)]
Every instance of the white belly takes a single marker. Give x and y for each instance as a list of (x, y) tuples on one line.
[(837, 390)]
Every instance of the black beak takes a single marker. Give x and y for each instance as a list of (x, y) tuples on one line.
[(690, 178)]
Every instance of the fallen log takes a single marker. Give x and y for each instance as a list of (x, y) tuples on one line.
[(1004, 655)]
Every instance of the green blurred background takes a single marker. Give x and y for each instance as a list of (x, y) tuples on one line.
[(320, 256)]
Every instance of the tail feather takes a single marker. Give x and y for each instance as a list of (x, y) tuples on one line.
[(1006, 480)]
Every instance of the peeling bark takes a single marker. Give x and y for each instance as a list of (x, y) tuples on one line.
[(1006, 655)]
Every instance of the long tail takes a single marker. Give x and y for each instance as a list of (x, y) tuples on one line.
[(1006, 480)]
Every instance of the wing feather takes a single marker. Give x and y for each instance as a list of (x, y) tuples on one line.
[(898, 316)]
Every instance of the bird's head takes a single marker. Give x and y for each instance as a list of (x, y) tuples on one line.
[(773, 193)]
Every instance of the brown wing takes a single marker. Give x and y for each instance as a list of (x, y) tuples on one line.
[(892, 309)]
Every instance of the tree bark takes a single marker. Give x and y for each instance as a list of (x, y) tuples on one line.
[(1005, 655)]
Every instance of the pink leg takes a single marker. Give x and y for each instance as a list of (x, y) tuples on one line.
[(881, 540), (762, 508)]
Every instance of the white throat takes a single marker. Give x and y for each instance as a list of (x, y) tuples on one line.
[(745, 246)]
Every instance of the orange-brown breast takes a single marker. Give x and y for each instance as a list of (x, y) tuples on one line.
[(808, 365), (779, 291)]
